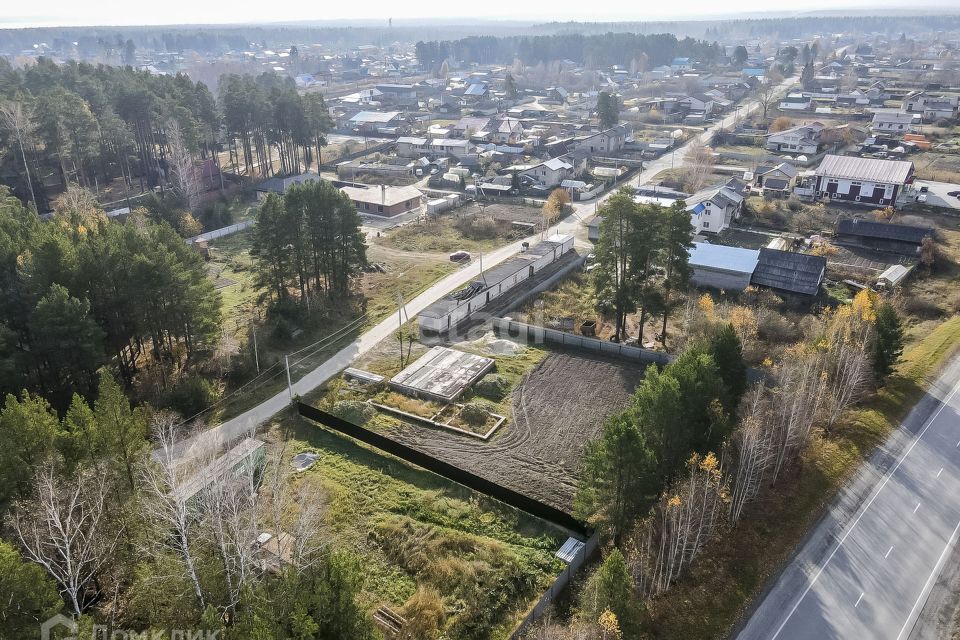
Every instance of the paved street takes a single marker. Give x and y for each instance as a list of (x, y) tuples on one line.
[(867, 569), (572, 224)]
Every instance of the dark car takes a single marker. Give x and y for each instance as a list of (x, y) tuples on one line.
[(955, 194), (459, 256)]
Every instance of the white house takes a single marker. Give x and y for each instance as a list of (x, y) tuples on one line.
[(795, 102), (550, 173), (895, 122), (455, 147), (712, 210), (698, 102), (801, 139), (412, 147)]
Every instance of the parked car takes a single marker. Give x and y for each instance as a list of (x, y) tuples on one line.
[(955, 194), (460, 256)]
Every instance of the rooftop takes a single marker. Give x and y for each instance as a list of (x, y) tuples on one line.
[(787, 271), (883, 230), (385, 195), (868, 169), (441, 374), (724, 258)]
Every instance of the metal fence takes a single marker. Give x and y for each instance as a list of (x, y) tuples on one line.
[(539, 335), (223, 231), (546, 600)]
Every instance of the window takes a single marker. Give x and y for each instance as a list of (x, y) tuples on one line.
[(706, 224), (379, 208)]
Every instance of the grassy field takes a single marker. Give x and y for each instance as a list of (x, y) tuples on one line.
[(450, 233), (710, 599), (414, 530), (941, 167)]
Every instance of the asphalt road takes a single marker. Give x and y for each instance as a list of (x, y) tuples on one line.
[(248, 421), (867, 569)]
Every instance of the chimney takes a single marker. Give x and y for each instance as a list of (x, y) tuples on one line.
[(383, 194)]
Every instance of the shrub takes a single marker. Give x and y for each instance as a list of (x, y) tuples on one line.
[(189, 396), (773, 327), (922, 308), (794, 205), (354, 411), (474, 413), (493, 386)]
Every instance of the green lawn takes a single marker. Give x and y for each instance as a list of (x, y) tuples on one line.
[(413, 529)]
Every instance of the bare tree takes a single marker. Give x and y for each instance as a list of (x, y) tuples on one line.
[(767, 92), (63, 528), (183, 175), (687, 516), (229, 519), (699, 168), (15, 119), (754, 447), (167, 503), (848, 334), (796, 404)]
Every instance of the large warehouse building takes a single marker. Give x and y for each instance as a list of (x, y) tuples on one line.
[(451, 310)]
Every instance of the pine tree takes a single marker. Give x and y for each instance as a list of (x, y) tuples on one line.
[(888, 340)]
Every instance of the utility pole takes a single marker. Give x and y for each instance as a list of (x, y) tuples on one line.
[(256, 351), (289, 384)]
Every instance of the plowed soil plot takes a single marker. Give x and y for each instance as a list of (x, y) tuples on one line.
[(557, 409)]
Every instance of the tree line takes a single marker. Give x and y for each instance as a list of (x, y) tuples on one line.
[(591, 51), (93, 124), (680, 467), (81, 291), (308, 241)]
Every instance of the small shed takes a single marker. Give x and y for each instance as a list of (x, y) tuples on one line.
[(789, 272), (893, 276), (722, 267)]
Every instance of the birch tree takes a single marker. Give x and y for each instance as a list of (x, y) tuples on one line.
[(183, 176), (167, 505), (849, 332), (688, 516), (15, 119), (64, 529), (797, 402), (753, 445)]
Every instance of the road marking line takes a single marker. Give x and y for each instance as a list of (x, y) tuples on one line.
[(873, 497), (939, 472), (888, 552), (916, 507), (933, 576), (857, 604)]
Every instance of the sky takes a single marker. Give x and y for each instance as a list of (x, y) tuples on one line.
[(127, 12)]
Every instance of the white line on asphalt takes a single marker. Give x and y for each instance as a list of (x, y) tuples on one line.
[(939, 472), (888, 552), (858, 600), (916, 507), (958, 443), (933, 576), (856, 521)]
